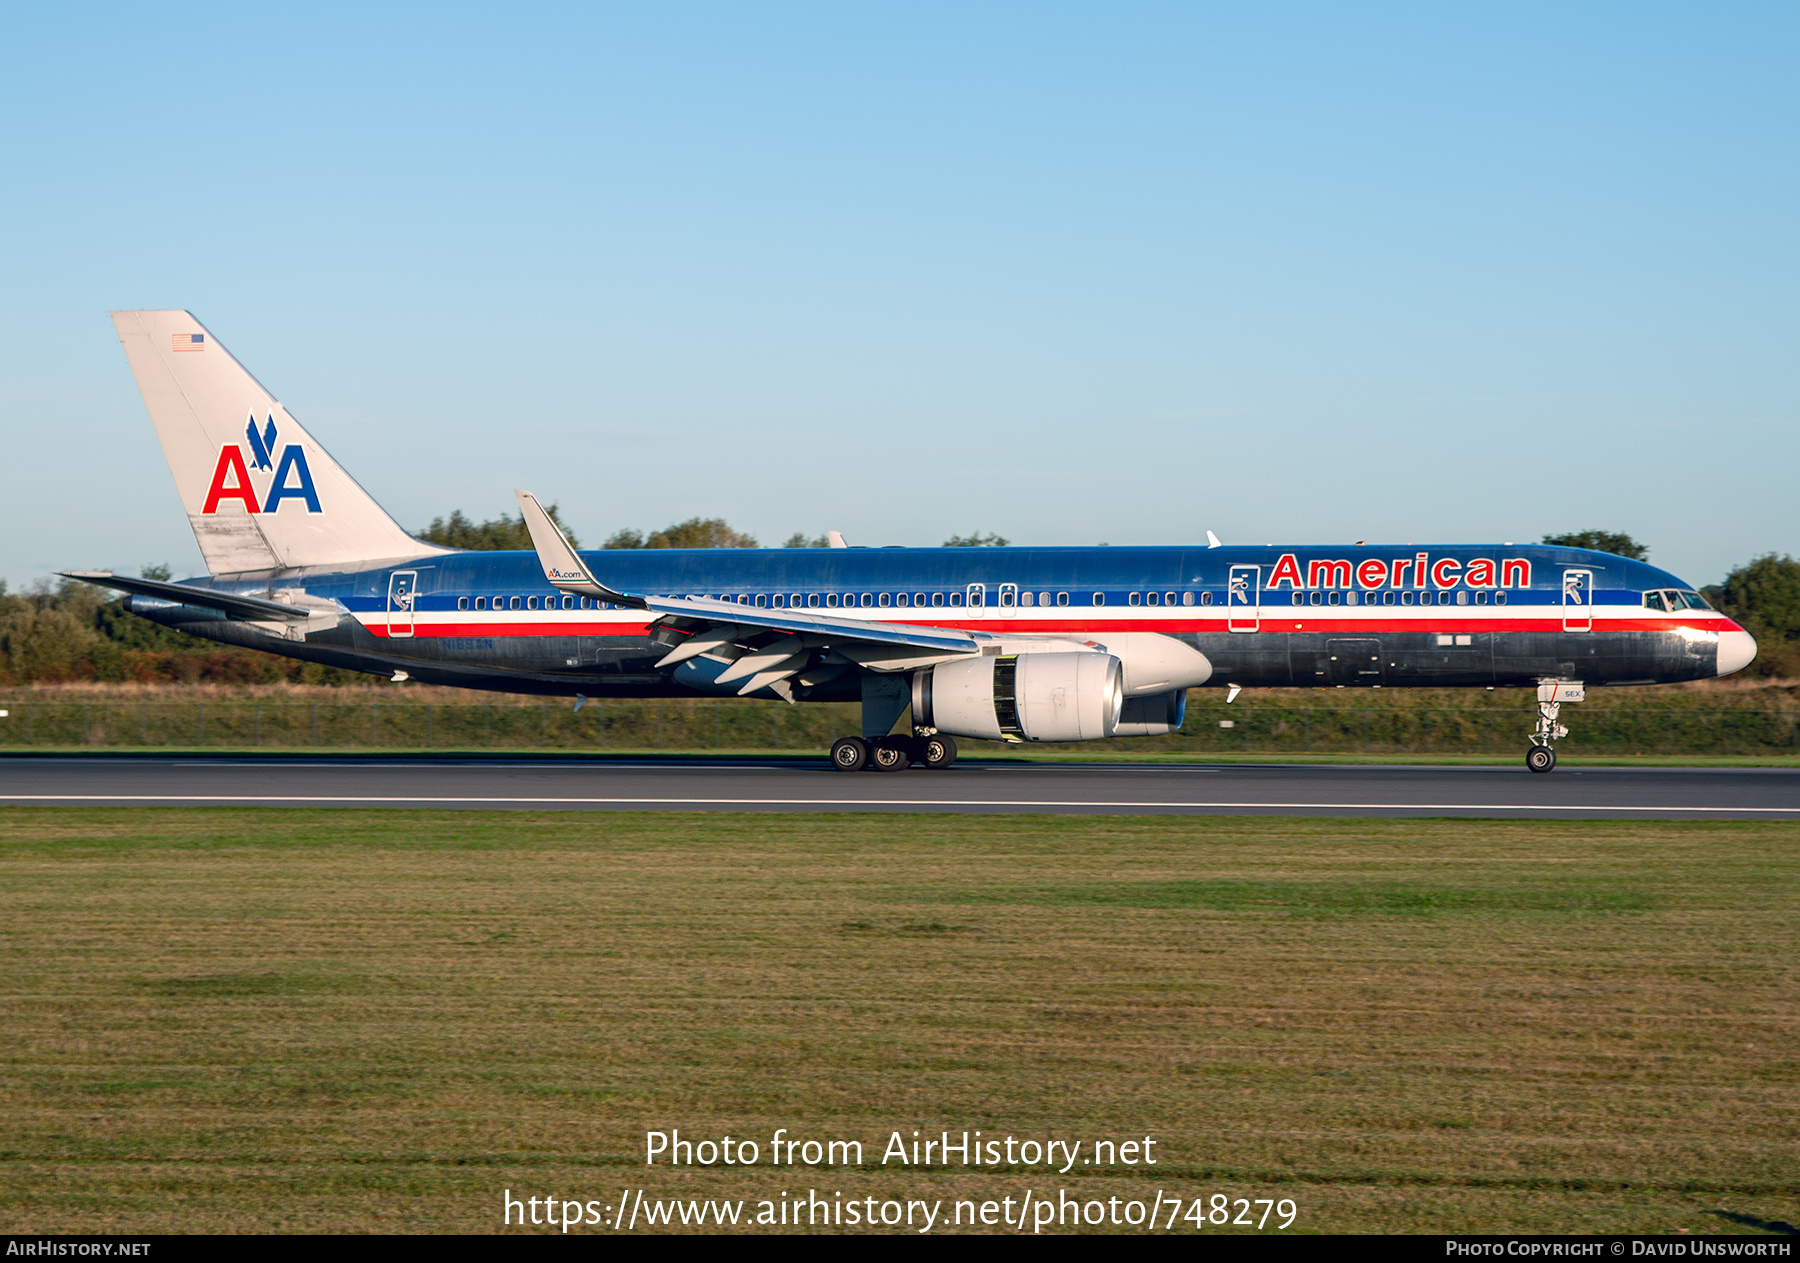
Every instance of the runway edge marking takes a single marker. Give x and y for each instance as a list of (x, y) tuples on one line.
[(826, 803)]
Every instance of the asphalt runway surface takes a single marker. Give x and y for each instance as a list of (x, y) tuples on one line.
[(971, 786)]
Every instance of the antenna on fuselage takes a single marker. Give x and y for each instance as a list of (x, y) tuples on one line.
[(1212, 541), (835, 539)]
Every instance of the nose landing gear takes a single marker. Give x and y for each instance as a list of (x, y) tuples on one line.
[(1551, 696)]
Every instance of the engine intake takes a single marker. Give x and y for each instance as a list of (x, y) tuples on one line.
[(1023, 697)]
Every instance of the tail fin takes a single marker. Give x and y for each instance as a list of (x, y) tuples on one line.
[(259, 491)]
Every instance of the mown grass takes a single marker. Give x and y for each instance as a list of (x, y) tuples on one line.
[(264, 1020)]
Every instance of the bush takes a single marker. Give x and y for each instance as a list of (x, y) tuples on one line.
[(1764, 595)]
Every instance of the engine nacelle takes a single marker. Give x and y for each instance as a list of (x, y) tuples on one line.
[(1153, 716), (1027, 697)]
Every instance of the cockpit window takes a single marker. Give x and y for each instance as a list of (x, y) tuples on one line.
[(1673, 600)]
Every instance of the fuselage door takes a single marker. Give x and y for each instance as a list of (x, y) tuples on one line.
[(1353, 663), (1578, 600), (1009, 600), (402, 588), (1243, 599)]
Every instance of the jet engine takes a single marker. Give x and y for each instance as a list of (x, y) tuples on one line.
[(1024, 697), (1153, 716)]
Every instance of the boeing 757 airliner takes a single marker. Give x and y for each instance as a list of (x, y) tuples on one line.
[(1010, 644)]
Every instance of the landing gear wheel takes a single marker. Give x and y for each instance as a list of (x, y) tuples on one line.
[(849, 754), (938, 751), (1540, 758), (889, 756)]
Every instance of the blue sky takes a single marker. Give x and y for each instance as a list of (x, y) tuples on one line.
[(1074, 274)]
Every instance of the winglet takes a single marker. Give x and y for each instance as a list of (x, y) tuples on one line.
[(561, 566)]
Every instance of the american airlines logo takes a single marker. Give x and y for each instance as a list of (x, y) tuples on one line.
[(564, 574), (291, 478), (1402, 572)]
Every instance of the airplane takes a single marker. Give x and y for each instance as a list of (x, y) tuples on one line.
[(1007, 644)]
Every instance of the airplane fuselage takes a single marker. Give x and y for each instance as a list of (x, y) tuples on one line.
[(1277, 616)]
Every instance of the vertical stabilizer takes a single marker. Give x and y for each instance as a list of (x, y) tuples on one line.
[(259, 491)]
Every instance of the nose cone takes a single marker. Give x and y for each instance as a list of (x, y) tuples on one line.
[(1736, 650)]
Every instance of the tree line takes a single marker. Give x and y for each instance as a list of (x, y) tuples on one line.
[(74, 631)]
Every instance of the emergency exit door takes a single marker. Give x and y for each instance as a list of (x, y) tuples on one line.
[(1243, 599), (402, 590)]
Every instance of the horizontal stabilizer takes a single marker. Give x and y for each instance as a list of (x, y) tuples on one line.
[(249, 608)]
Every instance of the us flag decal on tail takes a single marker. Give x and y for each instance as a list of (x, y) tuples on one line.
[(187, 342)]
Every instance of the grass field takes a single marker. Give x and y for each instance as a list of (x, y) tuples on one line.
[(220, 1020)]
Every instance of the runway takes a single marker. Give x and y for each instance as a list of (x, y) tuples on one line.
[(726, 784)]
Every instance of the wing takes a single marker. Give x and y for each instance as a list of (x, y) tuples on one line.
[(765, 648)]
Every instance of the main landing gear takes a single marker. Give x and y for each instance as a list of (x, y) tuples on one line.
[(892, 754), (1551, 696)]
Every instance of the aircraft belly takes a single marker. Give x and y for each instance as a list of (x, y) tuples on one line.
[(1423, 660)]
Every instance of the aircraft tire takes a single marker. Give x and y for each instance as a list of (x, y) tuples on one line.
[(890, 755), (849, 754), (937, 751), (1540, 758)]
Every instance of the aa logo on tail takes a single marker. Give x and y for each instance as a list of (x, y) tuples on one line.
[(292, 478)]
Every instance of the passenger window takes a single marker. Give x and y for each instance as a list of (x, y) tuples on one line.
[(955, 598), (1062, 598), (937, 598), (514, 603), (531, 602), (831, 599), (1499, 598), (462, 602), (1445, 597), (1387, 598), (1406, 598), (1134, 599), (1462, 598), (762, 600), (1481, 598), (1333, 598), (1169, 598), (1206, 598), (1099, 598), (1027, 598), (1187, 598), (587, 602), (812, 601), (1043, 598), (919, 599), (1152, 598), (867, 600), (883, 600), (1312, 598), (568, 602), (481, 602), (900, 598)]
